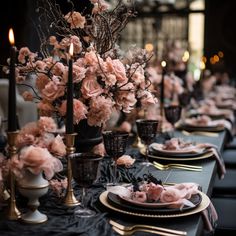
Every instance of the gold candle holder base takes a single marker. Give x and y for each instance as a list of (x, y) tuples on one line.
[(70, 199), (12, 211)]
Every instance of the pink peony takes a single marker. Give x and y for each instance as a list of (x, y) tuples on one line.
[(54, 89), (90, 87), (37, 159), (58, 147), (75, 19)]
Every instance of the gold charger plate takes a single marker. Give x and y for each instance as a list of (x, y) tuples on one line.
[(202, 206), (173, 158)]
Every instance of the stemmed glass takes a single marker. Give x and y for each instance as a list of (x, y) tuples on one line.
[(147, 130), (115, 143), (84, 172), (172, 114)]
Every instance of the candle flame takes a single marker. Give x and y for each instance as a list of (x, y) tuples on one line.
[(71, 50), (163, 64), (11, 37)]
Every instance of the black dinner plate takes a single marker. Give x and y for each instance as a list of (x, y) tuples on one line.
[(190, 128), (118, 202), (155, 152)]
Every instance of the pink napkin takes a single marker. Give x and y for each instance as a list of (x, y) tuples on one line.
[(210, 218), (220, 163)]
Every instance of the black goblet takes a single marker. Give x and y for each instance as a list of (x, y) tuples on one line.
[(84, 172), (147, 130), (115, 143), (172, 114)]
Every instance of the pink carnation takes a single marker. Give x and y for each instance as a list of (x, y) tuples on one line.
[(147, 98), (126, 100), (80, 110), (45, 108), (75, 19), (137, 73), (47, 124), (118, 69), (100, 110), (76, 43), (59, 69)]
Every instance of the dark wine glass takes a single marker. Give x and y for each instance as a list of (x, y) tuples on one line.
[(115, 143), (147, 130), (172, 114), (84, 172)]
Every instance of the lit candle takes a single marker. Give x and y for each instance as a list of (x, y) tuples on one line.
[(162, 96), (70, 91), (12, 123)]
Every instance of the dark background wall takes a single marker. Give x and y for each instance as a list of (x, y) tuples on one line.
[(220, 33), (220, 28)]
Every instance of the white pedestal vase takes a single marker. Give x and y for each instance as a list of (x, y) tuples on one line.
[(33, 187)]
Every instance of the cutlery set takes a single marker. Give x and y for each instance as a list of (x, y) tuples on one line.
[(130, 230), (176, 166)]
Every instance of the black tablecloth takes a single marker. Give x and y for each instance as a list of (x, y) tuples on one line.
[(63, 222)]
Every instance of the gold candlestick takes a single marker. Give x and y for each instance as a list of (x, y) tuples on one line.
[(162, 117), (12, 212), (70, 199)]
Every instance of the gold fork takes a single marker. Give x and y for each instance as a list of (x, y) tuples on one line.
[(148, 227), (177, 164), (203, 133), (131, 232), (169, 166)]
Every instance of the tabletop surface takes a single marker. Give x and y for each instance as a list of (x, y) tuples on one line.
[(62, 221)]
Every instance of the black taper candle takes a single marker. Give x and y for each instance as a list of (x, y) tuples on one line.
[(12, 123), (70, 91), (162, 95)]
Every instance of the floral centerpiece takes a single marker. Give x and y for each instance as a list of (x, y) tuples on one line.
[(105, 78), (39, 149)]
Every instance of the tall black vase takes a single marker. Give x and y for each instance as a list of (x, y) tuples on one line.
[(87, 136)]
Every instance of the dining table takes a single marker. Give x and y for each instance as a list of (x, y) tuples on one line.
[(63, 222)]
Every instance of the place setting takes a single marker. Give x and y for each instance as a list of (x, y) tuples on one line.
[(150, 198)]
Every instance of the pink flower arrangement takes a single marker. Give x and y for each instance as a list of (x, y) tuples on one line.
[(39, 149), (104, 78)]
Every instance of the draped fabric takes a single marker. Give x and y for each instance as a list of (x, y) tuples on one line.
[(62, 220)]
